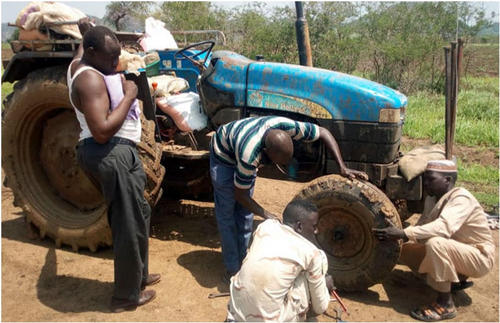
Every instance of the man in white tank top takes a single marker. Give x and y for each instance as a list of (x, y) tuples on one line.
[(110, 159)]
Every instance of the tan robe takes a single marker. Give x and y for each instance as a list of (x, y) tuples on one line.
[(452, 237), (282, 275)]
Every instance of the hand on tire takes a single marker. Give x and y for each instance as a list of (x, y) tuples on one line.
[(352, 174), (391, 233)]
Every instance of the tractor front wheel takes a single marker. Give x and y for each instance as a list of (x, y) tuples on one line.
[(348, 210)]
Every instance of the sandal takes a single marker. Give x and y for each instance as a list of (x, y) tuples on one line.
[(433, 313)]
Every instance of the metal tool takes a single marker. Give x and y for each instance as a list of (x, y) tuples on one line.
[(215, 295), (337, 297)]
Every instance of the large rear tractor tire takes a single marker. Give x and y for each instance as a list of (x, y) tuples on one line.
[(39, 137), (348, 210)]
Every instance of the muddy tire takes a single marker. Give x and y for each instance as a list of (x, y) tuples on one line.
[(39, 135), (348, 210)]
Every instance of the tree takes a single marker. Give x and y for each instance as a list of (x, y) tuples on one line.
[(121, 13), (335, 41), (188, 15), (256, 29), (405, 40)]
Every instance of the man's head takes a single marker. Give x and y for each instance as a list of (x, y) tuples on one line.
[(101, 49), (278, 147), (439, 177), (302, 216)]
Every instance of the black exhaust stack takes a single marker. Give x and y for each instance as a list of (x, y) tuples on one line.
[(303, 43)]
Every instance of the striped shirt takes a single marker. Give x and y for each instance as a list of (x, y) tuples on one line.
[(240, 143)]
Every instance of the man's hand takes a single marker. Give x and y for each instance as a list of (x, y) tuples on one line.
[(352, 174), (269, 216), (390, 233), (129, 88), (84, 24), (329, 283)]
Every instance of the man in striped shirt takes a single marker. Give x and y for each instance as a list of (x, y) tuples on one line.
[(236, 151)]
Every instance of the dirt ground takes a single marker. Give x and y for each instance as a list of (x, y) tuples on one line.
[(43, 283)]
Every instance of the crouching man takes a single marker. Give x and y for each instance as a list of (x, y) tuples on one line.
[(284, 274), (451, 241)]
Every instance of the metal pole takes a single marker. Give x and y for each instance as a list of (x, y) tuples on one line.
[(303, 42), (447, 127), (460, 55), (454, 98)]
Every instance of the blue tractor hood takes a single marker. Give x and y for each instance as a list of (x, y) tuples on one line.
[(313, 92)]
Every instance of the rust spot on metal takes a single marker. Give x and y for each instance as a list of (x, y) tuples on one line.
[(267, 70), (236, 62)]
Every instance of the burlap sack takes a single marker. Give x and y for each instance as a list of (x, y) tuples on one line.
[(414, 162)]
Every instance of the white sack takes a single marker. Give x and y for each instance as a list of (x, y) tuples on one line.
[(156, 36), (185, 110)]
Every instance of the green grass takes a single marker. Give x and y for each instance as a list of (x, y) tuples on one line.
[(477, 114), (476, 126), (6, 89), (482, 181)]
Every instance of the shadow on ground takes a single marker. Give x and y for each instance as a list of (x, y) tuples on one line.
[(69, 294), (206, 267), (400, 285), (18, 230), (192, 224)]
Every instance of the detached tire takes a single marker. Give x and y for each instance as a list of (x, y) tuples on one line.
[(39, 137), (348, 210)]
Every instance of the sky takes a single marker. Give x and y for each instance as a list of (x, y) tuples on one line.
[(10, 9)]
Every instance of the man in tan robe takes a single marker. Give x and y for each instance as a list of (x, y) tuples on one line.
[(452, 240)]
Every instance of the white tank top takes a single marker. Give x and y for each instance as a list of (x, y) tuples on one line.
[(131, 129)]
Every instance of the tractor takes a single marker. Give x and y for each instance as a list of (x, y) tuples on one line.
[(40, 133)]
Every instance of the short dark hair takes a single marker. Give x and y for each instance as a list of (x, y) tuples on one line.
[(297, 210), (95, 36)]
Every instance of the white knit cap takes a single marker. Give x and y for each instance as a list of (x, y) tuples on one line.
[(441, 166)]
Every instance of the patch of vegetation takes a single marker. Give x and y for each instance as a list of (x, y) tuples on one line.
[(476, 126), (482, 181), (477, 114), (6, 89)]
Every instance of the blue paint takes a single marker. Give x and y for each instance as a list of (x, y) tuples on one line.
[(345, 97), (229, 75), (182, 67), (270, 85)]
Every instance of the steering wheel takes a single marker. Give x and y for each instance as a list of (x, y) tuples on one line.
[(208, 45)]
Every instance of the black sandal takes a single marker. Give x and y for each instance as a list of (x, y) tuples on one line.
[(455, 287)]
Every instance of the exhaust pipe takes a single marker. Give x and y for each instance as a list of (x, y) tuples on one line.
[(302, 30)]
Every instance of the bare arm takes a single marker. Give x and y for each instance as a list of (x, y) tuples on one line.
[(333, 147), (242, 196), (94, 104)]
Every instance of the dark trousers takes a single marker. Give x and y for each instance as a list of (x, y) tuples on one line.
[(118, 170)]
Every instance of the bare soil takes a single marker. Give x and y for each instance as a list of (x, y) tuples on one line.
[(478, 155), (43, 283)]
